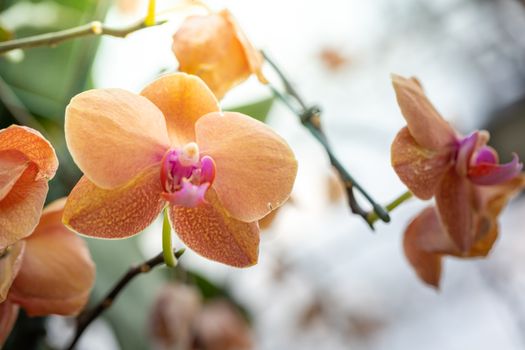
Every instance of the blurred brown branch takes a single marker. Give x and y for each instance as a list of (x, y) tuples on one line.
[(88, 316)]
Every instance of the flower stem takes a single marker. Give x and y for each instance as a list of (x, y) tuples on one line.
[(88, 316), (372, 217), (150, 17), (311, 118), (167, 249), (94, 28)]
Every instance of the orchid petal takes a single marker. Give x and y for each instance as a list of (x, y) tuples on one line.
[(465, 150), (208, 46), (255, 167), (12, 166), (420, 169), (20, 209), (427, 127), (10, 262), (113, 135), (33, 145), (8, 316), (453, 199), (212, 233), (117, 213), (491, 174), (57, 272), (424, 244), (183, 99)]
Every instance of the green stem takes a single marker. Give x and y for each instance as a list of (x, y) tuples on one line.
[(167, 249), (94, 28), (150, 18), (372, 217)]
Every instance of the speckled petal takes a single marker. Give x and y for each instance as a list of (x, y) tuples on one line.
[(10, 262), (424, 244), (113, 135), (12, 166), (209, 231), (57, 272), (255, 167), (20, 209), (117, 213), (419, 168), (33, 145), (427, 127), (454, 199), (183, 99), (8, 316)]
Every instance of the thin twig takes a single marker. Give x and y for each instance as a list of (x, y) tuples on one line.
[(311, 118), (85, 319), (372, 217), (94, 28)]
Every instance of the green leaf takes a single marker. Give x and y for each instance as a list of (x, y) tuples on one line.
[(258, 110)]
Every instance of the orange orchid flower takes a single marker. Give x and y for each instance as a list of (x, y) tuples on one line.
[(49, 272), (216, 49), (27, 163), (218, 172), (462, 173)]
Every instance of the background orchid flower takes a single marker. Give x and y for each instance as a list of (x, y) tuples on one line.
[(216, 49), (426, 241), (218, 172), (49, 272), (27, 163), (432, 159)]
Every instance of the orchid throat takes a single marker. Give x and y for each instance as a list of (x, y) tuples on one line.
[(185, 176)]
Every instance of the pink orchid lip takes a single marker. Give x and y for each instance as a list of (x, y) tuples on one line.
[(184, 177), (486, 171)]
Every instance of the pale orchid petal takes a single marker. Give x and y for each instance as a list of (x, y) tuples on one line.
[(20, 210), (10, 262), (255, 168), (8, 316), (424, 230), (491, 174), (12, 166), (211, 232), (427, 127), (183, 99), (57, 272), (113, 135), (209, 47), (253, 56), (453, 199), (33, 145), (117, 213), (419, 168)]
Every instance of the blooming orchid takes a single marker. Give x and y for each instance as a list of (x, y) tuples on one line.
[(49, 272), (219, 173), (215, 48), (462, 173), (27, 163)]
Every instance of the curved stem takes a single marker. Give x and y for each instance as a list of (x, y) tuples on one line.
[(94, 28), (167, 250), (372, 217), (85, 319), (311, 118)]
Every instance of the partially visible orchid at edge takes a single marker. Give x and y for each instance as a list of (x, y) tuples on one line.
[(44, 267), (462, 173)]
